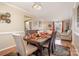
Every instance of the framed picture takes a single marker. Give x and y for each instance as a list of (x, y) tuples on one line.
[(78, 16)]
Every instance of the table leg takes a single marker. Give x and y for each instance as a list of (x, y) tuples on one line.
[(40, 48), (41, 51)]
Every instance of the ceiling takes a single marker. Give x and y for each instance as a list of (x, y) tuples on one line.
[(49, 11)]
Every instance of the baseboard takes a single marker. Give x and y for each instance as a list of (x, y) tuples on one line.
[(7, 50)]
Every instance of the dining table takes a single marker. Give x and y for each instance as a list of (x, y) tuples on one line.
[(38, 41)]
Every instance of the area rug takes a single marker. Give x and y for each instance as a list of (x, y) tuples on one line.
[(61, 51)]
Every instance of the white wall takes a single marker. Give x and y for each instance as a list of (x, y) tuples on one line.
[(75, 29), (17, 24)]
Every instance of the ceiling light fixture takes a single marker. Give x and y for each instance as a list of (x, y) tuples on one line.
[(37, 5)]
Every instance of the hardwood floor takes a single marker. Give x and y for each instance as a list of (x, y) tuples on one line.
[(73, 51), (68, 44), (7, 51)]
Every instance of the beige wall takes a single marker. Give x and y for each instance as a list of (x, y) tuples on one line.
[(17, 24), (17, 18)]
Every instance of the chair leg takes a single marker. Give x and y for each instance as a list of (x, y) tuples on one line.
[(18, 54), (53, 48), (48, 51), (41, 51), (36, 53)]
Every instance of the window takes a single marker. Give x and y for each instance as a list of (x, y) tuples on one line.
[(58, 26)]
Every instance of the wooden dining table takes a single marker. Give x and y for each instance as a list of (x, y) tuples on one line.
[(39, 41)]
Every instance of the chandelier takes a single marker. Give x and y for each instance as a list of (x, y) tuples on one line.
[(37, 5)]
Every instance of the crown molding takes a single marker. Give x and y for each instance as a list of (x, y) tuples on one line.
[(14, 6)]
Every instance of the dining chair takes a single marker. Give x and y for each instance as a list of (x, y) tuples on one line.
[(57, 45), (56, 41), (66, 35), (53, 42), (22, 47), (50, 45)]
